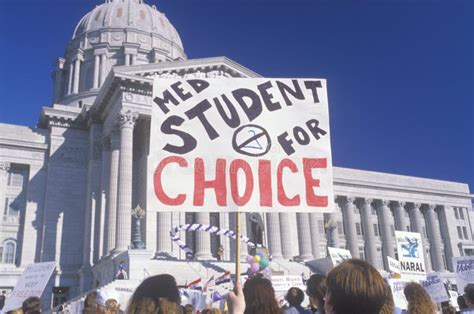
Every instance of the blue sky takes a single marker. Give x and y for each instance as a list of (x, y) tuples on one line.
[(400, 73)]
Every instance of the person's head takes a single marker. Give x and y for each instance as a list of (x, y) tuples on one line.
[(4, 292), (211, 311), (389, 305), (354, 286), (155, 288), (469, 295), (259, 296), (168, 307), (107, 301), (461, 302), (294, 296), (32, 305), (90, 305), (188, 309), (15, 311), (418, 299), (316, 291)]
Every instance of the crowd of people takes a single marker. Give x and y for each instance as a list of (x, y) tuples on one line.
[(354, 286)]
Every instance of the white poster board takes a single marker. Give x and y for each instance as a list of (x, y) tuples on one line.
[(435, 287), (255, 144), (397, 286), (32, 283), (394, 266), (464, 271), (338, 255), (410, 255)]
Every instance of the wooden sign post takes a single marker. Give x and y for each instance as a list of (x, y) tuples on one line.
[(237, 246)]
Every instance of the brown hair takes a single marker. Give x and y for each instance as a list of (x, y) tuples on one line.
[(144, 305), (168, 307), (419, 301), (31, 305), (15, 311), (188, 309), (90, 305), (316, 290), (294, 296), (260, 296), (355, 287)]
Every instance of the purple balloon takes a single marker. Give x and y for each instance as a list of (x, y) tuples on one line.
[(249, 259), (254, 267)]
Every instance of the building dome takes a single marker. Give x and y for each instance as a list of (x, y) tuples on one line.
[(116, 32), (128, 14)]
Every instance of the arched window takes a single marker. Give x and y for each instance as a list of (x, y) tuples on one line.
[(9, 248)]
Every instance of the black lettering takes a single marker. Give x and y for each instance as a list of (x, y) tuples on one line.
[(286, 143), (312, 85), (252, 110), (180, 91), (161, 102), (198, 85), (198, 111), (301, 136), (267, 97), (189, 142), (233, 120), (285, 90), (313, 127)]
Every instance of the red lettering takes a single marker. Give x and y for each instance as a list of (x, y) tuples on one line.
[(283, 199), (235, 166), (311, 198), (218, 184), (265, 182), (159, 192)]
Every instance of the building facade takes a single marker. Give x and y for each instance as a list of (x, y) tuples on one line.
[(68, 186)]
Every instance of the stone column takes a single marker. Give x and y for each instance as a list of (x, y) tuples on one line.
[(417, 223), (77, 72), (4, 168), (134, 59), (349, 226), (103, 68), (163, 242), (124, 200), (203, 239), (388, 244), (96, 71), (111, 219), (104, 182), (434, 238), (399, 215), (285, 235), (273, 231), (127, 59), (369, 237), (58, 80), (304, 236), (314, 221), (69, 82)]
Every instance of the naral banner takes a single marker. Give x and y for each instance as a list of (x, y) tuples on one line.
[(242, 144)]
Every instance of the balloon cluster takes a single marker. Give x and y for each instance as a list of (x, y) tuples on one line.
[(258, 264)]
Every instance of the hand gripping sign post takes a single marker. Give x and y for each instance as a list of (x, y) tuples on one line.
[(244, 145), (32, 282), (410, 255)]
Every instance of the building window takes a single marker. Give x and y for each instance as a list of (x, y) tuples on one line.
[(15, 177), (460, 233), (358, 228), (456, 213), (322, 251), (8, 256), (392, 230), (340, 229), (11, 208), (376, 230), (464, 231), (461, 213), (408, 228), (361, 253)]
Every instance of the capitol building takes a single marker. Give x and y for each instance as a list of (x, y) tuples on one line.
[(70, 185)]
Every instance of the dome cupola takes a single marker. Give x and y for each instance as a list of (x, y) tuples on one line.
[(117, 32)]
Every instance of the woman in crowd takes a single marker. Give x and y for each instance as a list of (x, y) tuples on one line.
[(107, 302), (162, 290), (32, 305), (90, 304), (295, 297), (260, 296), (419, 301), (355, 287), (316, 290)]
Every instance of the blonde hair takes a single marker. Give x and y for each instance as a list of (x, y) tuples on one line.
[(111, 306), (15, 311)]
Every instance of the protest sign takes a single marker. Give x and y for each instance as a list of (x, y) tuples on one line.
[(410, 255), (283, 283), (253, 144), (338, 255), (394, 267), (435, 287), (397, 286), (32, 283), (464, 271)]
